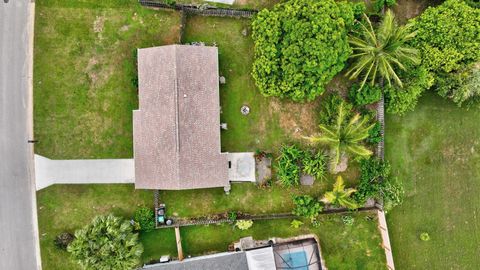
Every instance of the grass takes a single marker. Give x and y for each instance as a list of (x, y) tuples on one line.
[(84, 64), (435, 152), (69, 207)]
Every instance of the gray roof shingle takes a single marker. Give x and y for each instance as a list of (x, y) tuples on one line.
[(222, 261), (177, 127)]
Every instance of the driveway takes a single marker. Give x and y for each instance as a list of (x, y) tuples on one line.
[(19, 246)]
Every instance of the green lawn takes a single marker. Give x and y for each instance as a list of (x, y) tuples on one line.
[(435, 152), (69, 207), (84, 63)]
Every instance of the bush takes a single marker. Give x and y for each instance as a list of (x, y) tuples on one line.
[(473, 3), (462, 86), (300, 45), (375, 182), (315, 165), (296, 224), (348, 220), (367, 95), (447, 36), (375, 134), (107, 243), (63, 240), (330, 106), (244, 224), (145, 217), (306, 206), (288, 166), (232, 216), (424, 236), (400, 100), (379, 4)]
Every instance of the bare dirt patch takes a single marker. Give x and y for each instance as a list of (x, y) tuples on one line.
[(98, 24)]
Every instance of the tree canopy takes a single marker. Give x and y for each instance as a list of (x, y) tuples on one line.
[(107, 243), (300, 45)]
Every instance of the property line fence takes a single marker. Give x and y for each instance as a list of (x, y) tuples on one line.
[(382, 226), (381, 119), (202, 10)]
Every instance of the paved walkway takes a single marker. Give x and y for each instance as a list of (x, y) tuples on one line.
[(83, 171)]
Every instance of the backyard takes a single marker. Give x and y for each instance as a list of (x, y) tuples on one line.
[(435, 152), (69, 207)]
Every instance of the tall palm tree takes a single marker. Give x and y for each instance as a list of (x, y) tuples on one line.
[(344, 137), (340, 195), (380, 52)]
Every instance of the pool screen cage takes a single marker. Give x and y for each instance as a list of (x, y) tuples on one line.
[(298, 255)]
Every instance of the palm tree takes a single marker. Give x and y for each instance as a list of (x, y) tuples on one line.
[(340, 196), (379, 52), (344, 137)]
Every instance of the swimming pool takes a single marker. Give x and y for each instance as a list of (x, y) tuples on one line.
[(295, 260)]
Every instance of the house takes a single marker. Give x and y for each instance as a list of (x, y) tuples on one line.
[(176, 129), (301, 252)]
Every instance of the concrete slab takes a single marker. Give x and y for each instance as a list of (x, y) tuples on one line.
[(83, 171), (241, 167)]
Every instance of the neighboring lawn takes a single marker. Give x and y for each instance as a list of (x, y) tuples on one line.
[(435, 152), (70, 207), (84, 64)]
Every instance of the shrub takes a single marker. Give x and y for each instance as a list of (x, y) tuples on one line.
[(424, 236), (288, 169), (375, 134), (379, 4), (315, 165), (145, 217), (63, 240), (107, 243), (400, 100), (375, 182), (462, 86), (473, 3), (348, 220), (244, 224), (306, 206), (296, 224), (367, 95), (300, 45), (232, 216), (330, 106)]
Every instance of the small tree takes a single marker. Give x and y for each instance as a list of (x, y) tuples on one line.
[(340, 196), (344, 137), (379, 52), (107, 243), (244, 224), (306, 206)]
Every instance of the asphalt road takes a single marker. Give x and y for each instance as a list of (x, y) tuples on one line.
[(18, 219)]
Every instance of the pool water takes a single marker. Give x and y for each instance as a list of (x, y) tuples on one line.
[(295, 260)]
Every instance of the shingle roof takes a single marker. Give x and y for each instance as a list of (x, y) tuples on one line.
[(221, 261), (177, 127)]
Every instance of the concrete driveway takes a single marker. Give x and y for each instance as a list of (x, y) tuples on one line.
[(19, 246)]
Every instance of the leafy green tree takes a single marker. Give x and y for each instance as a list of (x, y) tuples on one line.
[(382, 51), (448, 36), (340, 196), (315, 165), (288, 166), (107, 243), (345, 136), (145, 217), (300, 45), (306, 206)]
